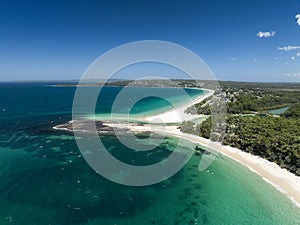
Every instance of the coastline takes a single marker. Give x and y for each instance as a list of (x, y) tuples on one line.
[(283, 180), (178, 114)]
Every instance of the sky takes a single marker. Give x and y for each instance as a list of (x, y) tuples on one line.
[(240, 40)]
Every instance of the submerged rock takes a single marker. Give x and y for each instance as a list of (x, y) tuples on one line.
[(87, 126)]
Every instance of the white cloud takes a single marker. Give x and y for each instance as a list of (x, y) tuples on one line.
[(298, 19), (293, 57), (298, 54), (291, 74), (267, 34), (233, 58), (289, 48)]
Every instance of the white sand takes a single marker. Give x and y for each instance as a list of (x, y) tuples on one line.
[(281, 179), (178, 114)]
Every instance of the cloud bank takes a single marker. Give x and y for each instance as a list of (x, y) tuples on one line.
[(288, 48), (291, 74)]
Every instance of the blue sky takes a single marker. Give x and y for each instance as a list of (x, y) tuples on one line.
[(43, 40)]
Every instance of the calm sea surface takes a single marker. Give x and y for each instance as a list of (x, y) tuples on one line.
[(44, 180)]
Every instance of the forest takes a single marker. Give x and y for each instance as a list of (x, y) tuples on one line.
[(252, 128)]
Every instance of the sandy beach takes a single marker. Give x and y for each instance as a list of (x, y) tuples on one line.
[(281, 179), (178, 115)]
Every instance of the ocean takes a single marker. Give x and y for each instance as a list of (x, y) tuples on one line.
[(44, 180)]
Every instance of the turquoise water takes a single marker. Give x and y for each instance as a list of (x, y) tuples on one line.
[(158, 100), (44, 179), (279, 111)]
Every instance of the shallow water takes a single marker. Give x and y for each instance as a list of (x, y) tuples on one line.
[(44, 179), (279, 111)]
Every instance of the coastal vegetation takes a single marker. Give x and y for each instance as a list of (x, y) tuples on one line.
[(274, 138), (252, 127), (253, 100)]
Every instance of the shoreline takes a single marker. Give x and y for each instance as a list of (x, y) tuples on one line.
[(178, 114), (281, 179)]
